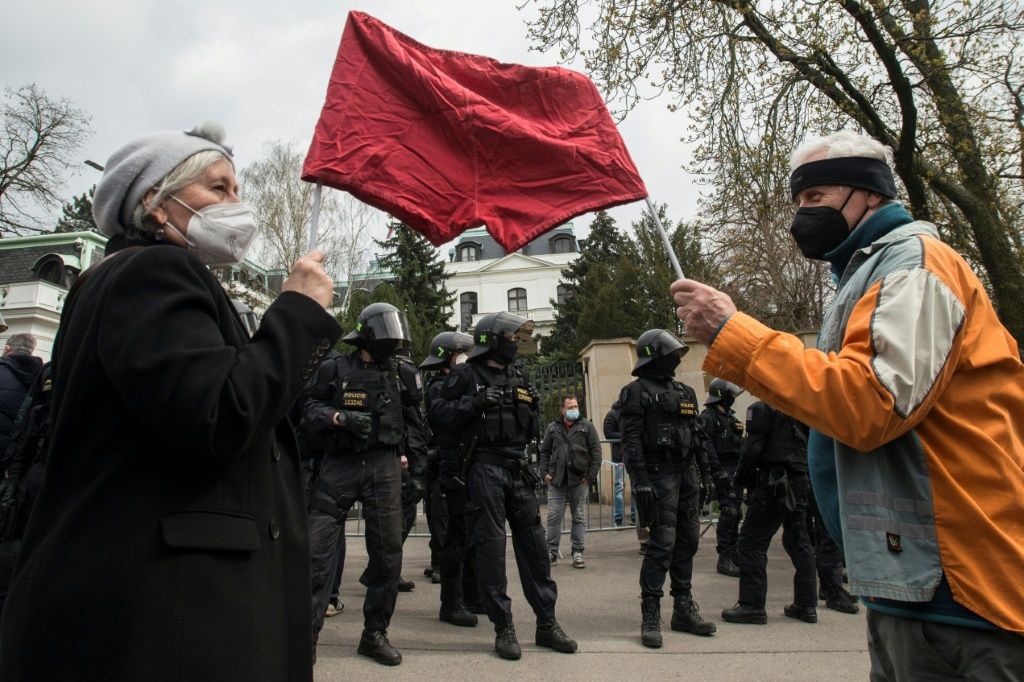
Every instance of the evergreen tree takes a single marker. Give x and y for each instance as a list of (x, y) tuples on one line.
[(76, 216), (604, 246), (420, 284)]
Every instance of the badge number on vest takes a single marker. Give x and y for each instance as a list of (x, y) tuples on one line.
[(893, 542), (356, 399)]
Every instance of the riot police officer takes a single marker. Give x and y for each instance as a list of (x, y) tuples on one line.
[(496, 410), (773, 466), (724, 435), (356, 413), (662, 442), (447, 350)]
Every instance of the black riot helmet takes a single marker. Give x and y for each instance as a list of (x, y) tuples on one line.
[(444, 346), (381, 330), (721, 390), (658, 352), (495, 336)]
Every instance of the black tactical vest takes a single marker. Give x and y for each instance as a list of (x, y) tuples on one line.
[(670, 413), (726, 436), (787, 443), (373, 390), (508, 423)]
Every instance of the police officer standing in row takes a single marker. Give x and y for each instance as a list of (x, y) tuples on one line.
[(773, 465), (724, 436), (662, 439), (447, 350), (357, 414), (496, 411)]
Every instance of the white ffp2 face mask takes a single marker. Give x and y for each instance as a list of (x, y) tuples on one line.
[(219, 234)]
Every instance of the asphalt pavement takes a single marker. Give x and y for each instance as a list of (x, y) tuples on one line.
[(599, 606)]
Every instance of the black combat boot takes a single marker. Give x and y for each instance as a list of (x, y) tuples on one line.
[(807, 614), (456, 614), (375, 644), (726, 566), (435, 575), (838, 599), (405, 585), (506, 643), (745, 613), (686, 617), (550, 635), (650, 624)]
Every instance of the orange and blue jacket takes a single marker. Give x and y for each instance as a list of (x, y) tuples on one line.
[(921, 390)]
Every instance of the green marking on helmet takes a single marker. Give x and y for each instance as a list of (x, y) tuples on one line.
[(483, 338), (440, 352), (648, 349), (359, 326)]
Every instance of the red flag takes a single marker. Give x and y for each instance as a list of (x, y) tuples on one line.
[(446, 141)]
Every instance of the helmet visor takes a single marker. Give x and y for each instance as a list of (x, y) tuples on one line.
[(391, 325)]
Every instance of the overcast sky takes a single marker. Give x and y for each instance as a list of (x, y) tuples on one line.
[(261, 69)]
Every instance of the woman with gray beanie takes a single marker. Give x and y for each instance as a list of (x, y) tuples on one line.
[(169, 538)]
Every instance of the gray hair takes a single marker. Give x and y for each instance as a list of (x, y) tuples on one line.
[(21, 343), (187, 172), (839, 145)]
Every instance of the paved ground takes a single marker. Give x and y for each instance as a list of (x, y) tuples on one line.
[(600, 607)]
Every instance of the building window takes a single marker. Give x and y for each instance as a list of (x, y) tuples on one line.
[(517, 299), (468, 308), (562, 294), (469, 252), (562, 244)]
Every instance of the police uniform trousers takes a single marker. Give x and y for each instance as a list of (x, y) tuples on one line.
[(827, 556), (458, 574), (374, 478), (497, 494), (674, 538), (765, 514), (728, 526)]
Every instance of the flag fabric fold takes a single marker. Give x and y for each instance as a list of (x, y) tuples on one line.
[(446, 141)]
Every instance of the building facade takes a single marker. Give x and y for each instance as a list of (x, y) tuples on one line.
[(486, 279)]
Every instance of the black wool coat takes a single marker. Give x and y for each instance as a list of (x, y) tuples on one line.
[(169, 539)]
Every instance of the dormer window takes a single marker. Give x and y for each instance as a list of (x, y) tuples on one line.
[(468, 252), (562, 243)]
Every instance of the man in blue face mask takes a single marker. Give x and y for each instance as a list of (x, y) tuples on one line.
[(570, 458)]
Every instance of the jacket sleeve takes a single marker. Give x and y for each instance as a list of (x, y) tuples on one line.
[(594, 444), (752, 450), (631, 421), (709, 425), (611, 426), (161, 344), (317, 412), (453, 407), (902, 344), (415, 439)]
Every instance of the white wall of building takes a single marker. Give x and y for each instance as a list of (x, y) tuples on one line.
[(492, 279)]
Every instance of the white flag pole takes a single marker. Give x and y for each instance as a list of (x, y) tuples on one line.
[(664, 239), (314, 217)]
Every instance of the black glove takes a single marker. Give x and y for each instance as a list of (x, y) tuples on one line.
[(414, 489), (535, 397), (358, 424), (646, 502), (489, 397)]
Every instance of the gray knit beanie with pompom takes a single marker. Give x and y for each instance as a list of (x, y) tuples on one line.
[(140, 165)]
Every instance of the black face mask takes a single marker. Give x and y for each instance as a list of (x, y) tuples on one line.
[(661, 367), (818, 230), (506, 351), (382, 350), (727, 401)]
